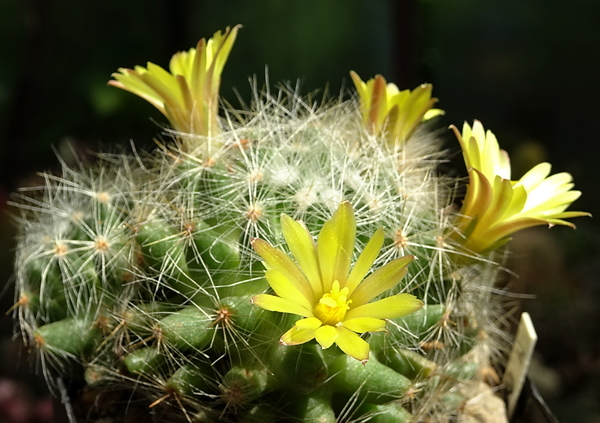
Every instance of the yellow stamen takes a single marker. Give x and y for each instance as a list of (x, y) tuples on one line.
[(331, 308)]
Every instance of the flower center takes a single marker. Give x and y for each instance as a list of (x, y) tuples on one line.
[(331, 308)]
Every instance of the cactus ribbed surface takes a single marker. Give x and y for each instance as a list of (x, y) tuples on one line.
[(141, 274)]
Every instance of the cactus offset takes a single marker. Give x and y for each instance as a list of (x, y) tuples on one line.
[(143, 274)]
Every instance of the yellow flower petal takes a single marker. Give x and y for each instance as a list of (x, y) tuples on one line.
[(335, 246), (504, 230), (388, 308), (519, 198), (361, 87), (278, 260), (477, 199), (380, 281), (352, 344), (273, 303), (365, 324), (304, 251), (365, 260), (535, 176), (569, 214), (297, 335), (558, 184), (432, 113), (378, 101), (130, 80), (482, 152), (309, 323), (326, 335), (501, 200), (286, 289), (417, 104)]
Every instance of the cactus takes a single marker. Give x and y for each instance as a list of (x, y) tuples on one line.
[(289, 262)]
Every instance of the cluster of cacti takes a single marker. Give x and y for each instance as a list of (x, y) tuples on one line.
[(146, 274)]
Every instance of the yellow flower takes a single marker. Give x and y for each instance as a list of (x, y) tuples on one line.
[(393, 113), (320, 287), (188, 95), (495, 207)]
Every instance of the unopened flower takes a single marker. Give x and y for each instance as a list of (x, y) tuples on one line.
[(387, 111), (333, 300), (495, 207), (187, 94)]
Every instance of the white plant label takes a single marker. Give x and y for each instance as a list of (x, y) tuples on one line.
[(519, 361)]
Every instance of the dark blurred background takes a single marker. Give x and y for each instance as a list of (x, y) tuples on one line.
[(528, 69)]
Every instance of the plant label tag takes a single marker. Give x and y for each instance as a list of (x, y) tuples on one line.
[(519, 361)]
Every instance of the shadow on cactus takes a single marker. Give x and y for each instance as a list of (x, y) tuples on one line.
[(140, 278)]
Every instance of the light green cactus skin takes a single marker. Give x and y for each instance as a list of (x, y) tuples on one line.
[(139, 270)]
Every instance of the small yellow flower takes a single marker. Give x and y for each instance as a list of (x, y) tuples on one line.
[(320, 287), (393, 113), (188, 95), (496, 207)]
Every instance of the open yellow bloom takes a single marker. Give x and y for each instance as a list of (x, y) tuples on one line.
[(388, 111), (320, 287), (496, 207), (188, 95)]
